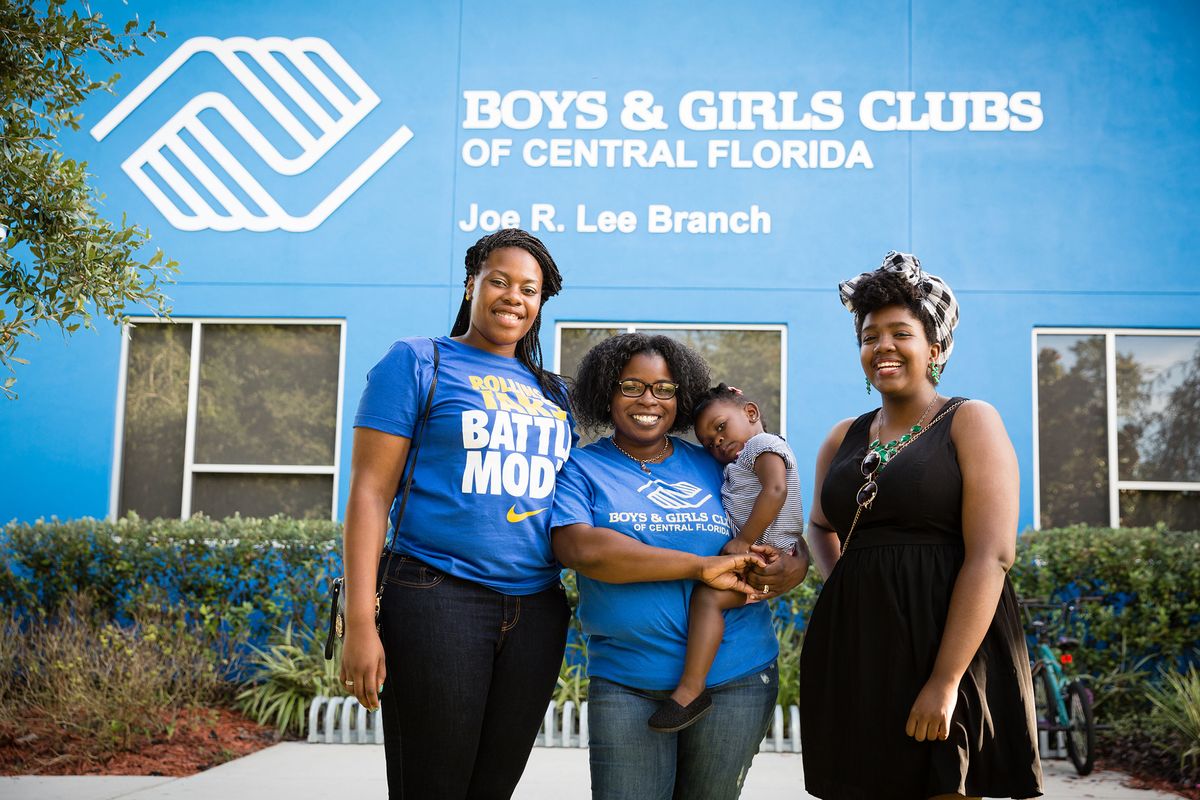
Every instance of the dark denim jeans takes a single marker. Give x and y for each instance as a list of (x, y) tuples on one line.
[(707, 761), (469, 674)]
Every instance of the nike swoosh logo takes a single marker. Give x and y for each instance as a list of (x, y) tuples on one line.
[(513, 516)]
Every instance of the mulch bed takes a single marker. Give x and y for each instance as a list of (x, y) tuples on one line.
[(1148, 765), (200, 738)]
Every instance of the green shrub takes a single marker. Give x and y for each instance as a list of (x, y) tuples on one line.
[(1147, 579), (1120, 692), (791, 617), (107, 686), (1176, 702), (572, 683), (234, 580), (287, 675)]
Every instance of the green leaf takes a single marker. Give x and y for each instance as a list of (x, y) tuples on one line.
[(72, 257)]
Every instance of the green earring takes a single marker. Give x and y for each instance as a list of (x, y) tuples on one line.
[(935, 372), (868, 380)]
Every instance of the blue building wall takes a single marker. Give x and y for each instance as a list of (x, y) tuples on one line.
[(1083, 221)]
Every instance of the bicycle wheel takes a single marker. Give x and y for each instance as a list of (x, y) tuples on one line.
[(1043, 703), (1081, 729)]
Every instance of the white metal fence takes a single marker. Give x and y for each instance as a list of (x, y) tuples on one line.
[(342, 720)]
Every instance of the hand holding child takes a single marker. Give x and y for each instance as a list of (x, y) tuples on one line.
[(735, 547)]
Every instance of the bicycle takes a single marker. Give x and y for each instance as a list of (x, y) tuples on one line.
[(1063, 706)]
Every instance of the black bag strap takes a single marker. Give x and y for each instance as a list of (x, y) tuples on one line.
[(335, 592), (410, 467), (406, 478)]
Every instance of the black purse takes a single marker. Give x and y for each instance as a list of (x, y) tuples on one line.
[(337, 601)]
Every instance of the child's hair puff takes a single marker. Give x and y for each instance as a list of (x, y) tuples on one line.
[(721, 393)]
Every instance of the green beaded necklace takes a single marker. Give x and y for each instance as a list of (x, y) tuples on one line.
[(888, 451)]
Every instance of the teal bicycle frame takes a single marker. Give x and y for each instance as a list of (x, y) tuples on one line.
[(1046, 661), (1068, 702)]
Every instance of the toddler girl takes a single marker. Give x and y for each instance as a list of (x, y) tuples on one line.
[(761, 496)]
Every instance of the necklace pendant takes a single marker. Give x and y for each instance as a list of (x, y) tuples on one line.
[(645, 469)]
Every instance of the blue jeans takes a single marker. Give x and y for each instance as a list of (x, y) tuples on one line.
[(707, 761), (469, 674)]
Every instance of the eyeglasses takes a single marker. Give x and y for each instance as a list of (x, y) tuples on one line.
[(868, 491), (632, 387)]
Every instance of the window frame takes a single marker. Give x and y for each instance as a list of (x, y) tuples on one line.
[(634, 327), (1115, 484), (190, 467)]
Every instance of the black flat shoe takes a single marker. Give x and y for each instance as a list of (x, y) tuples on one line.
[(672, 717)]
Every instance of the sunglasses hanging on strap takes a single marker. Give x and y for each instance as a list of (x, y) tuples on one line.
[(337, 601)]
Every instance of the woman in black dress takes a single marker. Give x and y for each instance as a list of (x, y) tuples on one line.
[(914, 678)]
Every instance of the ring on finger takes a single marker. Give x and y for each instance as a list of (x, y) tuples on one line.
[(349, 684)]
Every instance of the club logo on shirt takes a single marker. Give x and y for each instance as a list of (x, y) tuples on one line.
[(672, 495), (515, 443)]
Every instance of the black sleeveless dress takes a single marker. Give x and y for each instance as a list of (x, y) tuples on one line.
[(874, 633)]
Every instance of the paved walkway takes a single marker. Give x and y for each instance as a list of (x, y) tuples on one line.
[(301, 771)]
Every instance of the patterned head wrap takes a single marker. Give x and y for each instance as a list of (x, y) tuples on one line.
[(935, 296)]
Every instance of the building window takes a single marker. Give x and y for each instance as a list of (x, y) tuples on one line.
[(750, 357), (222, 417), (1118, 427)]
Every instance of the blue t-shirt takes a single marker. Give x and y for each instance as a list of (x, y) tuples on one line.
[(637, 632), (484, 483)]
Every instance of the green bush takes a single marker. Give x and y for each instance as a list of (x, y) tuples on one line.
[(238, 581), (287, 675), (235, 580), (106, 686), (1176, 702), (1148, 580), (791, 617)]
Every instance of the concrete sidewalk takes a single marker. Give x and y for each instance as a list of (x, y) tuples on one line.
[(301, 771)]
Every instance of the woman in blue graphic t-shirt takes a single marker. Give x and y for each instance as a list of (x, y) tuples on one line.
[(638, 515), (473, 617)]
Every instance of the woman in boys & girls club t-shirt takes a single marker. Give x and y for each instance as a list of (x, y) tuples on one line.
[(638, 515)]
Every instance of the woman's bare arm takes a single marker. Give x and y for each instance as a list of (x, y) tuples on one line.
[(376, 463), (610, 556)]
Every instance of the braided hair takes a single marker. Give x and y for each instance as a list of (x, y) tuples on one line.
[(529, 347)]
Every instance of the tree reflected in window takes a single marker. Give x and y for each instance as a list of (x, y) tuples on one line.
[(1072, 430), (749, 358), (1159, 415), (155, 430), (263, 416), (1157, 430)]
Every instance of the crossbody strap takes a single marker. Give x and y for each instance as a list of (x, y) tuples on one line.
[(410, 467)]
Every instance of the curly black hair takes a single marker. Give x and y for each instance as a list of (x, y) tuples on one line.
[(591, 395), (880, 289), (722, 393), (529, 347)]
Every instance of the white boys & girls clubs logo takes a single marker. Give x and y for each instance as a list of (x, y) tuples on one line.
[(673, 496), (190, 210)]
